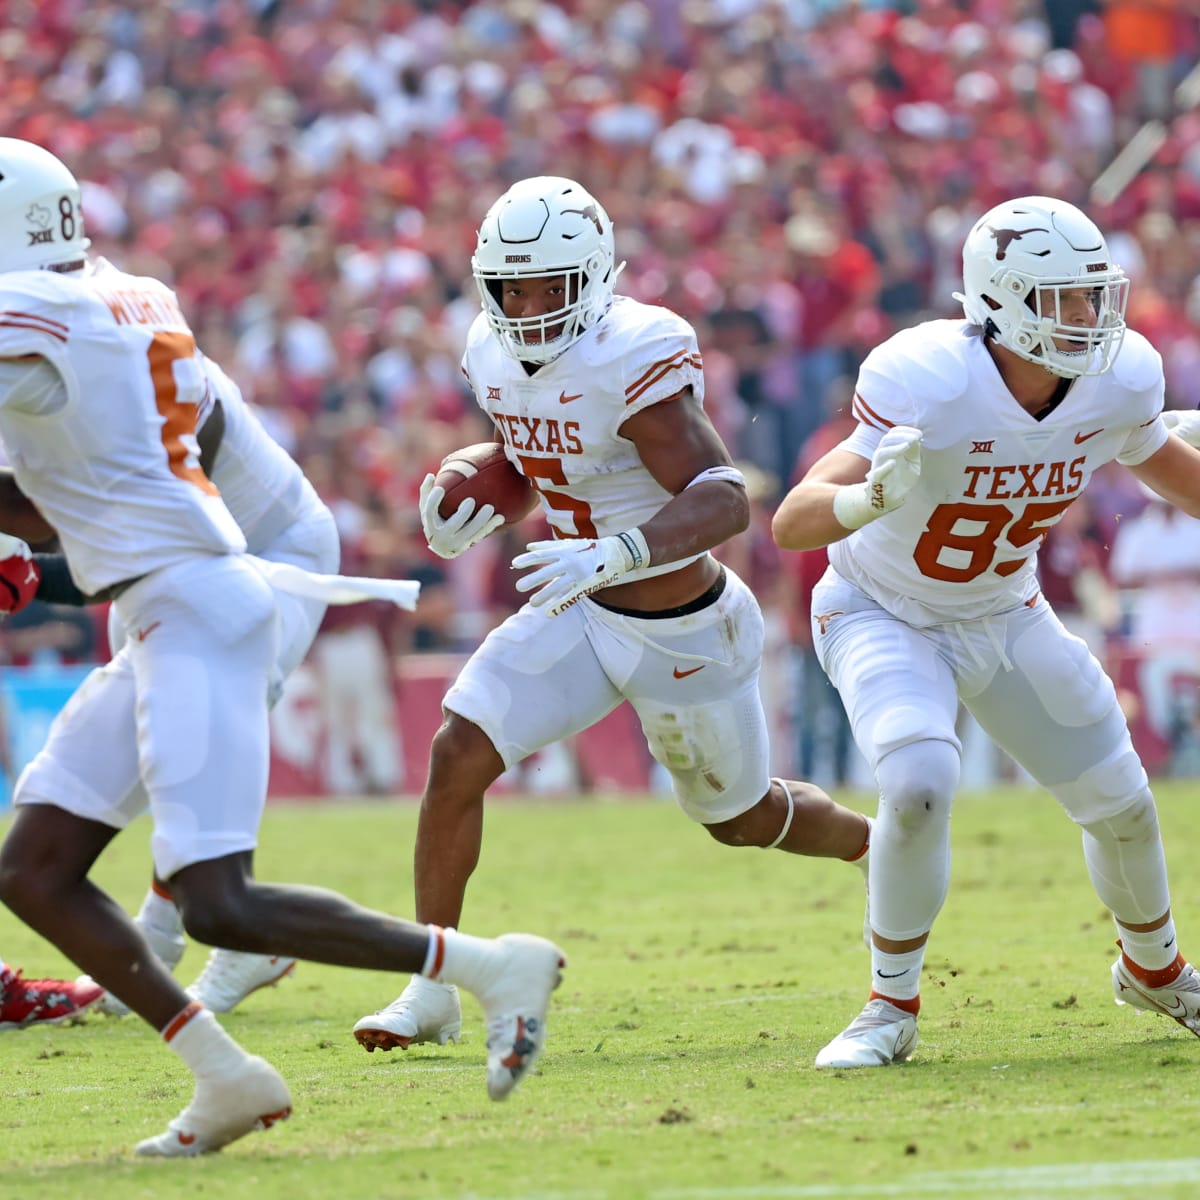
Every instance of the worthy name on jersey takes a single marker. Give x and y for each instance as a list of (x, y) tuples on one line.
[(130, 307)]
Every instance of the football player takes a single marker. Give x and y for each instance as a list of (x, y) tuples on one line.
[(100, 382), (973, 437), (284, 520), (598, 400)]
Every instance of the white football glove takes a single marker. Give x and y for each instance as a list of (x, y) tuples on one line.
[(448, 537), (1185, 425), (572, 567), (895, 469)]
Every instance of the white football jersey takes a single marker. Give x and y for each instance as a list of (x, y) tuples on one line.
[(103, 440), (993, 479), (261, 484), (561, 426)]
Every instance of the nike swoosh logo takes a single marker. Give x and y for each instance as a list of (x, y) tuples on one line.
[(1175, 1008), (563, 398), (143, 634), (1080, 438), (885, 975), (684, 674), (187, 1139)]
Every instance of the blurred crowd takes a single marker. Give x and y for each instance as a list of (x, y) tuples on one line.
[(794, 176)]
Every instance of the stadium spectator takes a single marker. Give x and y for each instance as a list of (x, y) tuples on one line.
[(306, 163), (1156, 555), (973, 437)]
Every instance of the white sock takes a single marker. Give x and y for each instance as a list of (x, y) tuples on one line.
[(897, 975), (1155, 950), (434, 954), (160, 912), (459, 958), (196, 1036)]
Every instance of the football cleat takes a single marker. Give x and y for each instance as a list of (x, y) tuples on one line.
[(1179, 1000), (881, 1034), (25, 1002), (252, 1097), (230, 976), (424, 1012), (527, 969)]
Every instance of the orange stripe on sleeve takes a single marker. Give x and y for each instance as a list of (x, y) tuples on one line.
[(11, 324), (24, 316), (867, 415), (659, 372), (650, 370)]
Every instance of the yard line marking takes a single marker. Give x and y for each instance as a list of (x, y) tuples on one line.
[(1064, 1179)]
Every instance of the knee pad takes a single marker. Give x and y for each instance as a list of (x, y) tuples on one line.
[(1132, 826), (917, 782), (904, 725), (1124, 858), (1113, 787)]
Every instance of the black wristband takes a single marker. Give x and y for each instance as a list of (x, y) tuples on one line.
[(57, 586), (635, 551)]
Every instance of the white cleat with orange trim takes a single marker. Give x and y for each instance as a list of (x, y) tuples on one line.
[(251, 1098), (519, 974), (880, 1035), (424, 1012), (1179, 1000), (527, 969), (229, 976)]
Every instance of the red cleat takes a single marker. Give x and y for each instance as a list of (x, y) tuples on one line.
[(25, 1002)]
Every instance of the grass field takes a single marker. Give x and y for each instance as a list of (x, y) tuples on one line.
[(702, 981)]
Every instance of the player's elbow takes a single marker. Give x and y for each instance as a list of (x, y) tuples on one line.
[(787, 529), (739, 508)]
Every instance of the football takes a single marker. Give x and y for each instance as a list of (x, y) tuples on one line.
[(483, 473)]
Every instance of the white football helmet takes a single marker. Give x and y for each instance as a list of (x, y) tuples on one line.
[(1019, 260), (41, 217), (546, 226)]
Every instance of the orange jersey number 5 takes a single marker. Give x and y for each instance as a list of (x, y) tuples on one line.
[(179, 387)]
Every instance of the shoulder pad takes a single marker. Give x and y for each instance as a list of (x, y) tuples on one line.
[(479, 332), (1138, 366), (639, 335), (914, 370), (35, 311)]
